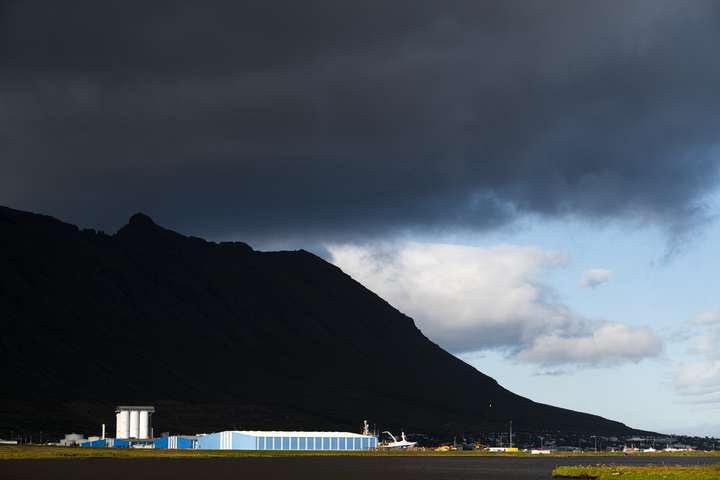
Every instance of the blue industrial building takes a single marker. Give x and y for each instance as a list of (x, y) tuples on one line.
[(310, 441), (102, 442), (134, 432), (176, 441), (248, 440), (114, 443), (169, 442)]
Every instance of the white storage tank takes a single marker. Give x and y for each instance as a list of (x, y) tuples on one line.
[(133, 422), (123, 424), (143, 431)]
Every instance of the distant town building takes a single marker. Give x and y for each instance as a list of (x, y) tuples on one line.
[(72, 439)]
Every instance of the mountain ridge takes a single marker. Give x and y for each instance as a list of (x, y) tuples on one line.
[(219, 335)]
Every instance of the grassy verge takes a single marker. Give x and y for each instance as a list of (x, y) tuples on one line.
[(43, 452), (651, 472), (12, 452)]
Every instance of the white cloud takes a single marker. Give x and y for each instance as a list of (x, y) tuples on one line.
[(700, 380), (595, 276), (704, 334), (551, 373), (608, 344), (702, 430), (705, 343), (709, 317), (474, 298)]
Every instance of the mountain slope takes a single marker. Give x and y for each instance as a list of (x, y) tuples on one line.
[(220, 336)]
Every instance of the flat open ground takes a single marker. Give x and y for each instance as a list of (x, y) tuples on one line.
[(651, 472), (394, 467), (38, 452)]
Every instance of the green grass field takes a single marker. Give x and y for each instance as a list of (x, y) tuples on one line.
[(656, 472), (45, 452), (12, 452)]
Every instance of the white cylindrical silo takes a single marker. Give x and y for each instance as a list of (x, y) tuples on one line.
[(144, 424), (123, 424), (134, 423)]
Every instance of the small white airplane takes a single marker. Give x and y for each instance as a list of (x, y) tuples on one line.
[(402, 443)]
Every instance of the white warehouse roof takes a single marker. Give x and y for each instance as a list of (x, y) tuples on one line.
[(257, 433)]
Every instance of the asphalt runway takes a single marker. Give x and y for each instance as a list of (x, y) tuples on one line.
[(316, 468)]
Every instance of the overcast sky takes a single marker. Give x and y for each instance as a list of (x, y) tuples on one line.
[(531, 181)]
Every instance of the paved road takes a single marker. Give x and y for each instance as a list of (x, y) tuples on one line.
[(315, 468)]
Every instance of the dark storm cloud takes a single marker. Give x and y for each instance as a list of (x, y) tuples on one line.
[(275, 120)]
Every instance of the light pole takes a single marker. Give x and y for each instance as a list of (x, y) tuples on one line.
[(510, 433), (541, 442)]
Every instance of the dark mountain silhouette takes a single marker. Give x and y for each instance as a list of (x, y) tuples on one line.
[(220, 336)]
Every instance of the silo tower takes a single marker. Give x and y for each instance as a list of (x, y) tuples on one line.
[(133, 422)]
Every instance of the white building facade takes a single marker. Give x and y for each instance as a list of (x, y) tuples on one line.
[(307, 441)]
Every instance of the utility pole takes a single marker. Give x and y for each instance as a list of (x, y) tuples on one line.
[(510, 433)]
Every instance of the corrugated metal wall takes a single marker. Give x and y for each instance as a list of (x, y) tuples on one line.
[(209, 442), (174, 441), (95, 443), (242, 441)]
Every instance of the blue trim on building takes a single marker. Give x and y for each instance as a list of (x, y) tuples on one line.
[(95, 443), (175, 442)]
